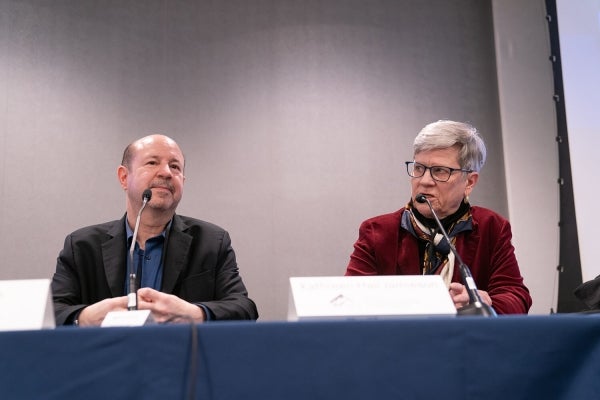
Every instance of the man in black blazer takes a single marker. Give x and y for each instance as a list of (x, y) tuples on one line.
[(188, 268)]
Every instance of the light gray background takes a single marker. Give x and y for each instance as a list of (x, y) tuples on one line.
[(295, 118), (579, 28)]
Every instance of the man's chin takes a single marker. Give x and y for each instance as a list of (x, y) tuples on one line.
[(161, 205)]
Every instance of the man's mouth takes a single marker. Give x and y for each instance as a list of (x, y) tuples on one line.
[(168, 188)]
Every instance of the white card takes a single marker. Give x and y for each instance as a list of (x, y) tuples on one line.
[(336, 297), (128, 318), (26, 305)]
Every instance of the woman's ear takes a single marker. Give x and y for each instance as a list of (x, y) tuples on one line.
[(472, 179)]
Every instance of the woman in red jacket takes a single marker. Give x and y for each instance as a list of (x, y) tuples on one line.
[(448, 156)]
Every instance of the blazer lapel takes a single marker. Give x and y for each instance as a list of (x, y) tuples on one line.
[(178, 244), (467, 246), (114, 253)]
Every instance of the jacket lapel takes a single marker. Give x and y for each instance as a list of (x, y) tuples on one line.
[(467, 247), (178, 245), (114, 253)]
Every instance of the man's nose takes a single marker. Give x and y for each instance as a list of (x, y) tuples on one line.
[(164, 169)]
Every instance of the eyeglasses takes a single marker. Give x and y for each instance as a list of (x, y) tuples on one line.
[(438, 173)]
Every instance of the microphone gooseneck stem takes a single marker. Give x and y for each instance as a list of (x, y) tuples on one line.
[(465, 274), (132, 293), (476, 305)]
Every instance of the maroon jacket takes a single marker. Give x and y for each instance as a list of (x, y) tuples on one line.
[(384, 248)]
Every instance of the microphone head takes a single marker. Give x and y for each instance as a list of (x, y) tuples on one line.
[(420, 198), (147, 195)]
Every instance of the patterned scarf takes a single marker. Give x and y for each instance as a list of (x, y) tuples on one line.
[(437, 259)]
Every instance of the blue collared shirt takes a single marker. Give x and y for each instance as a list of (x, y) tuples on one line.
[(148, 262)]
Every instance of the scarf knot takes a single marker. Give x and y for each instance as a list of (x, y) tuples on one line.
[(437, 259)]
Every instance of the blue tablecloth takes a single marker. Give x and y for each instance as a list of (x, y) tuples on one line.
[(520, 357)]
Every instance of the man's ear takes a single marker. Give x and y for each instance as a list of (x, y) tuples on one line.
[(122, 174)]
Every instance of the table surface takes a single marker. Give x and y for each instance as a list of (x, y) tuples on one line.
[(509, 357)]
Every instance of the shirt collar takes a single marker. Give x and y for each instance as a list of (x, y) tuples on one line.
[(129, 231)]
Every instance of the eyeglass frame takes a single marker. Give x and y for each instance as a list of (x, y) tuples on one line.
[(452, 170)]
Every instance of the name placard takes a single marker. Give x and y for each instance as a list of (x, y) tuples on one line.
[(26, 304), (339, 297), (128, 318)]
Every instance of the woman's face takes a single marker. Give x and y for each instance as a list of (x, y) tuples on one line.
[(445, 197)]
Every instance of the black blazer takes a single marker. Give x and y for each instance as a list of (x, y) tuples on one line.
[(199, 267)]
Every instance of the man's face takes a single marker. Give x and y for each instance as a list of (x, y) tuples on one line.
[(445, 197), (157, 164)]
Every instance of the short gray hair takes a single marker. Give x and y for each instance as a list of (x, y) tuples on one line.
[(444, 134)]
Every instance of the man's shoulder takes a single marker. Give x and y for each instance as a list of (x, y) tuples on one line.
[(103, 228), (185, 223)]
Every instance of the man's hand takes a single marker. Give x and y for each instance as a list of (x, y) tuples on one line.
[(94, 314), (168, 308)]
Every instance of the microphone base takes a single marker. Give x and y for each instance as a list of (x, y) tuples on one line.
[(481, 310)]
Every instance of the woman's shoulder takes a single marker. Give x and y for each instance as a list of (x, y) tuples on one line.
[(392, 218), (484, 215)]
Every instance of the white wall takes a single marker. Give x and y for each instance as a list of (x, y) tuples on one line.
[(295, 119), (530, 151), (579, 31)]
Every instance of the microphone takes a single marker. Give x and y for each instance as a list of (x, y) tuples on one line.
[(132, 294), (476, 306)]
